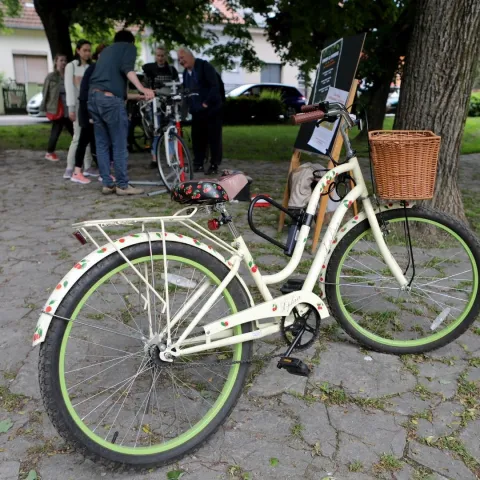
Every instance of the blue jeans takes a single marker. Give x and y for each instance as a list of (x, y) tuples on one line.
[(110, 124)]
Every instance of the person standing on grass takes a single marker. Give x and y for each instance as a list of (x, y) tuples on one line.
[(106, 104), (53, 96), (156, 74), (74, 72), (206, 108)]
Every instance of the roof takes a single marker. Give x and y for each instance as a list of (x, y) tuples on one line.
[(28, 19)]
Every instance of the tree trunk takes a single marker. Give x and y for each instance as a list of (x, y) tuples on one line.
[(436, 86), (56, 22)]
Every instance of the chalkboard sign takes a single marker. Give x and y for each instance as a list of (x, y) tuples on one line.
[(335, 74)]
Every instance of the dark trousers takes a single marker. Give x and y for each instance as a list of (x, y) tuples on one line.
[(207, 131), (57, 127), (111, 132), (87, 136)]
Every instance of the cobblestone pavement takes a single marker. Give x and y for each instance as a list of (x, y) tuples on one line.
[(360, 415)]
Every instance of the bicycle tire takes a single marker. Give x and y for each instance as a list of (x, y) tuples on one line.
[(162, 166), (352, 328), (53, 396)]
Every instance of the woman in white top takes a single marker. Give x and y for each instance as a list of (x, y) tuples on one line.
[(73, 78)]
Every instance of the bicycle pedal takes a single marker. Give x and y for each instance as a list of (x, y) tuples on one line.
[(294, 366)]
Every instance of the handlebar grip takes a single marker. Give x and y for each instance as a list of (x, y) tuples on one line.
[(307, 117), (309, 108)]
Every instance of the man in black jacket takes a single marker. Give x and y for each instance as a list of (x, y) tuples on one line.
[(201, 77)]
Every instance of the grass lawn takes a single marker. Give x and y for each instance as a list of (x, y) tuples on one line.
[(259, 142)]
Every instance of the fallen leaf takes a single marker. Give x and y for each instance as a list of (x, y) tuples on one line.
[(175, 474), (274, 462), (32, 475), (5, 425), (445, 382)]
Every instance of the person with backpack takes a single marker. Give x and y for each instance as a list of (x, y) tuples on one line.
[(156, 74), (201, 77)]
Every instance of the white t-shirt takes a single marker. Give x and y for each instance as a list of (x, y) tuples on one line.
[(73, 78)]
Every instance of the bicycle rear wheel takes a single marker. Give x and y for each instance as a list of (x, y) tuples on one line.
[(103, 384), (443, 300), (171, 152)]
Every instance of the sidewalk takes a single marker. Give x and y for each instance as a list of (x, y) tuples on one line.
[(360, 415)]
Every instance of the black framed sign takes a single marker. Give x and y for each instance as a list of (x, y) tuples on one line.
[(335, 75)]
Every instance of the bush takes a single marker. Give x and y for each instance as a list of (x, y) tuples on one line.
[(246, 110), (474, 109)]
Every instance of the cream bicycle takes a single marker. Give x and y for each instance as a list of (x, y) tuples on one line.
[(146, 342)]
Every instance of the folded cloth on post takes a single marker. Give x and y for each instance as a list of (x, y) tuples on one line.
[(300, 184)]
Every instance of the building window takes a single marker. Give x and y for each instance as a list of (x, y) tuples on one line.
[(271, 73), (30, 68)]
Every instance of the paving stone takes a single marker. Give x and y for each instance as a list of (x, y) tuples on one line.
[(470, 437), (440, 378), (407, 404), (409, 473), (316, 424), (474, 374), (366, 436), (26, 382), (273, 381), (440, 461), (445, 420), (345, 365), (9, 470), (470, 342)]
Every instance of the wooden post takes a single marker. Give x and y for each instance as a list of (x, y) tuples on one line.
[(337, 148), (294, 163)]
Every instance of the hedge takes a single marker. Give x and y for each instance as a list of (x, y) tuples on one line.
[(474, 110), (257, 110)]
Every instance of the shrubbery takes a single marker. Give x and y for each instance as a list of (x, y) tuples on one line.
[(474, 109), (245, 110)]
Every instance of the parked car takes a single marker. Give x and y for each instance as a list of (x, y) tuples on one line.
[(33, 106), (292, 97)]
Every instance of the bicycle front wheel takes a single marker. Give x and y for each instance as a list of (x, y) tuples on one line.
[(103, 384), (443, 300), (172, 152)]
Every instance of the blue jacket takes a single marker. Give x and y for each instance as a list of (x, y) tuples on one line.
[(203, 81), (83, 115)]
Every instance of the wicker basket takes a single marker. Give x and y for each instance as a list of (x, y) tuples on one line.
[(405, 163)]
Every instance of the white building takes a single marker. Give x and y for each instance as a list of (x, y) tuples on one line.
[(25, 59)]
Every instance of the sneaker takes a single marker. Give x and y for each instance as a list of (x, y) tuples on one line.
[(91, 172), (52, 157), (109, 190), (213, 170), (79, 178), (153, 165), (129, 191), (68, 173)]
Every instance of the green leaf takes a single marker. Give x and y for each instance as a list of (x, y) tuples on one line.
[(5, 425), (274, 462), (32, 475), (175, 474)]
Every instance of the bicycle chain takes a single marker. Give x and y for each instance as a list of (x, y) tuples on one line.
[(219, 362)]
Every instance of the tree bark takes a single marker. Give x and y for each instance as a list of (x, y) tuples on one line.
[(56, 22), (436, 86)]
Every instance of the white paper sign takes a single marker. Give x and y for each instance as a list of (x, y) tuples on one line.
[(322, 136)]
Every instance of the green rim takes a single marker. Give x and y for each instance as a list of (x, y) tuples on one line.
[(409, 343), (195, 429)]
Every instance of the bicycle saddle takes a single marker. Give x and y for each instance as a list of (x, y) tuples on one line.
[(206, 192), (209, 191)]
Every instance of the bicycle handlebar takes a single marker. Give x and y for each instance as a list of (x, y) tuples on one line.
[(307, 117), (323, 110)]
